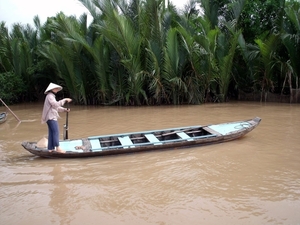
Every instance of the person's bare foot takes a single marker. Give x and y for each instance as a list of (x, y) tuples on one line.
[(58, 149)]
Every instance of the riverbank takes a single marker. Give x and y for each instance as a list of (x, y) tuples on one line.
[(271, 97)]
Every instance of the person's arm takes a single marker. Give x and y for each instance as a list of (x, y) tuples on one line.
[(65, 100), (57, 105), (61, 103)]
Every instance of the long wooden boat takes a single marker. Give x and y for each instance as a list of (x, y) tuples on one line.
[(147, 140), (3, 117)]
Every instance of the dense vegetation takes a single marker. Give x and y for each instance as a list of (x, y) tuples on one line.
[(147, 52)]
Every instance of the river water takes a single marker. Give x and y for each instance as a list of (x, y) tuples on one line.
[(253, 180)]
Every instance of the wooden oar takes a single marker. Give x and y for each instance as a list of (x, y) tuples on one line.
[(10, 110), (66, 127)]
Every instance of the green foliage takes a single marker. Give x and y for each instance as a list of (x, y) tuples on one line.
[(261, 17), (11, 87), (291, 38)]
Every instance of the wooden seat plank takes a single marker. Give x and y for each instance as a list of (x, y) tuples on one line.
[(126, 142), (184, 136), (151, 138), (95, 143)]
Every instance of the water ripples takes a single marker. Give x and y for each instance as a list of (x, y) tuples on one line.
[(254, 180)]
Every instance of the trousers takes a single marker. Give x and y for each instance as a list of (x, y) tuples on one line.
[(53, 134)]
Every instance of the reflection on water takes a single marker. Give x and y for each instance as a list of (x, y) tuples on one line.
[(254, 180), (59, 197)]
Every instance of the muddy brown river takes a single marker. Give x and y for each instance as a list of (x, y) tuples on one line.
[(253, 180)]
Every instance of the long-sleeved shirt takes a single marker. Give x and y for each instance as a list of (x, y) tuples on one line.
[(52, 107)]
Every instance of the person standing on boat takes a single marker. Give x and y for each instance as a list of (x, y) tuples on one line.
[(50, 115)]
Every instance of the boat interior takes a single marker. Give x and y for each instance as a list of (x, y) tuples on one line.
[(144, 138)]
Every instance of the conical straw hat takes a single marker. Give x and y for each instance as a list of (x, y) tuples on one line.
[(52, 86)]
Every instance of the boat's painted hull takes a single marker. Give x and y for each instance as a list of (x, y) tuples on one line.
[(148, 140), (3, 117)]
